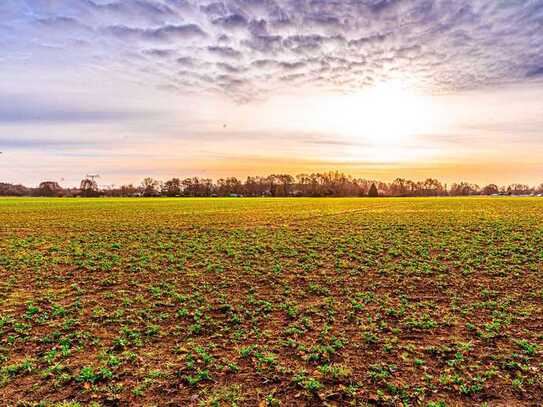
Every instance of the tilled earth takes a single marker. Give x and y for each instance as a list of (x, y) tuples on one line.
[(271, 302)]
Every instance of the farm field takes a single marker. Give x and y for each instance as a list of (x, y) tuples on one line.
[(271, 302)]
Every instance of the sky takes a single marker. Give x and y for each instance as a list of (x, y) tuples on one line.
[(376, 88)]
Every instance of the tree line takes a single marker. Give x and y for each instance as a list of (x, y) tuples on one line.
[(328, 184)]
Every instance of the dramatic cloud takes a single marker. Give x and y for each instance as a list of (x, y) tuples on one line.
[(237, 87), (248, 48), (165, 34)]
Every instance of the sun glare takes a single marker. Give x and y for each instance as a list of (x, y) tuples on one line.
[(385, 114)]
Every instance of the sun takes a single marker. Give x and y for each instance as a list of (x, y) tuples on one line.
[(385, 114)]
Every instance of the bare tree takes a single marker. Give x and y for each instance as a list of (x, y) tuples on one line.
[(519, 189), (464, 189), (229, 186), (128, 190), (333, 183), (50, 188), (150, 187), (172, 187), (89, 187), (286, 182), (490, 189)]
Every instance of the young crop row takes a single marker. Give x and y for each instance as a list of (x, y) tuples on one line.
[(432, 302)]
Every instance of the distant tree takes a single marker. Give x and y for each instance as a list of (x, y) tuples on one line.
[(372, 193), (286, 182), (89, 188), (229, 186), (7, 189), (172, 187), (428, 187), (111, 191), (49, 188), (189, 186), (150, 186), (464, 189), (272, 182), (519, 189), (399, 187), (332, 183), (206, 187), (490, 189), (302, 184), (315, 185), (254, 186), (128, 190), (197, 186)]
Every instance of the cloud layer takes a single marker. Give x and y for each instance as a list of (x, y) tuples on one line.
[(167, 88), (247, 49)]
